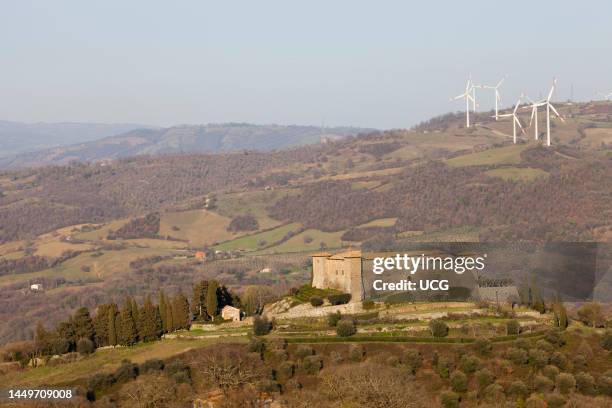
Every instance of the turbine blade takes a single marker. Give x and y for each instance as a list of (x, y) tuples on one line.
[(556, 113)]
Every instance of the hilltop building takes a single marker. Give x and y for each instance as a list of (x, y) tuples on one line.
[(341, 272), (231, 313)]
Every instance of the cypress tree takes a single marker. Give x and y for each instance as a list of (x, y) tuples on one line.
[(169, 317), (149, 327), (211, 299), (163, 311), (100, 323), (128, 333), (83, 324), (159, 328), (67, 335), (180, 312), (198, 302), (112, 324), (137, 317)]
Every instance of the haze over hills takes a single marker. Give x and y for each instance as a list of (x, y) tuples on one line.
[(17, 137), (211, 138)]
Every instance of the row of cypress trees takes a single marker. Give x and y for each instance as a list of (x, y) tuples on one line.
[(130, 323)]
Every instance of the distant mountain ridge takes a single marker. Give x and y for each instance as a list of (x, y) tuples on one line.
[(210, 138), (17, 137)]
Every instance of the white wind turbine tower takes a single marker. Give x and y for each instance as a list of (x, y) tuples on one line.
[(515, 119), (468, 97), (497, 95), (534, 115), (550, 107)]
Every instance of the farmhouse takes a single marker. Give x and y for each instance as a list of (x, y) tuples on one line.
[(231, 313), (36, 287), (341, 271)]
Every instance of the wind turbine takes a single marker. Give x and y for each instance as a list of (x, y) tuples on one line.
[(534, 115), (550, 107), (515, 119), (468, 97), (497, 96)]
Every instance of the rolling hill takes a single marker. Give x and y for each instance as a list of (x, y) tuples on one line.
[(61, 225), (212, 138)]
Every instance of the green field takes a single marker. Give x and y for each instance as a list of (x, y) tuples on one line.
[(198, 227), (253, 203), (501, 155), (381, 222), (252, 242), (517, 173), (309, 240)]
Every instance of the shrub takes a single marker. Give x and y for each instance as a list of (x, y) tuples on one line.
[(304, 351), (100, 381), (449, 399), (438, 328), (392, 361), (444, 367), (566, 383), (261, 326), (257, 345), (179, 371), (316, 301), (606, 341), (604, 384), (356, 352), (276, 356), (559, 359), (483, 346), (591, 314), (368, 304), (153, 364), (412, 359), (551, 372), (544, 345), (554, 337), (469, 364), (585, 383), (522, 344), (541, 383), (311, 364), (339, 299), (285, 371), (85, 346), (555, 400), (494, 393), (484, 378), (513, 327), (458, 381), (517, 355), (346, 328), (333, 319), (126, 371), (580, 362), (535, 401), (538, 357), (518, 389)]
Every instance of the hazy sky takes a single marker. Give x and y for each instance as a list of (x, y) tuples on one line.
[(364, 63)]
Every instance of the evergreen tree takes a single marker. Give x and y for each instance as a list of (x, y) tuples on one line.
[(198, 302), (112, 325), (224, 298), (83, 324), (180, 312), (211, 299), (163, 310), (128, 333), (169, 317), (67, 334), (100, 323), (137, 317), (149, 324)]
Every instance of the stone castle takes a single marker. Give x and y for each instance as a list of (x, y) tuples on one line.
[(340, 271), (344, 272)]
